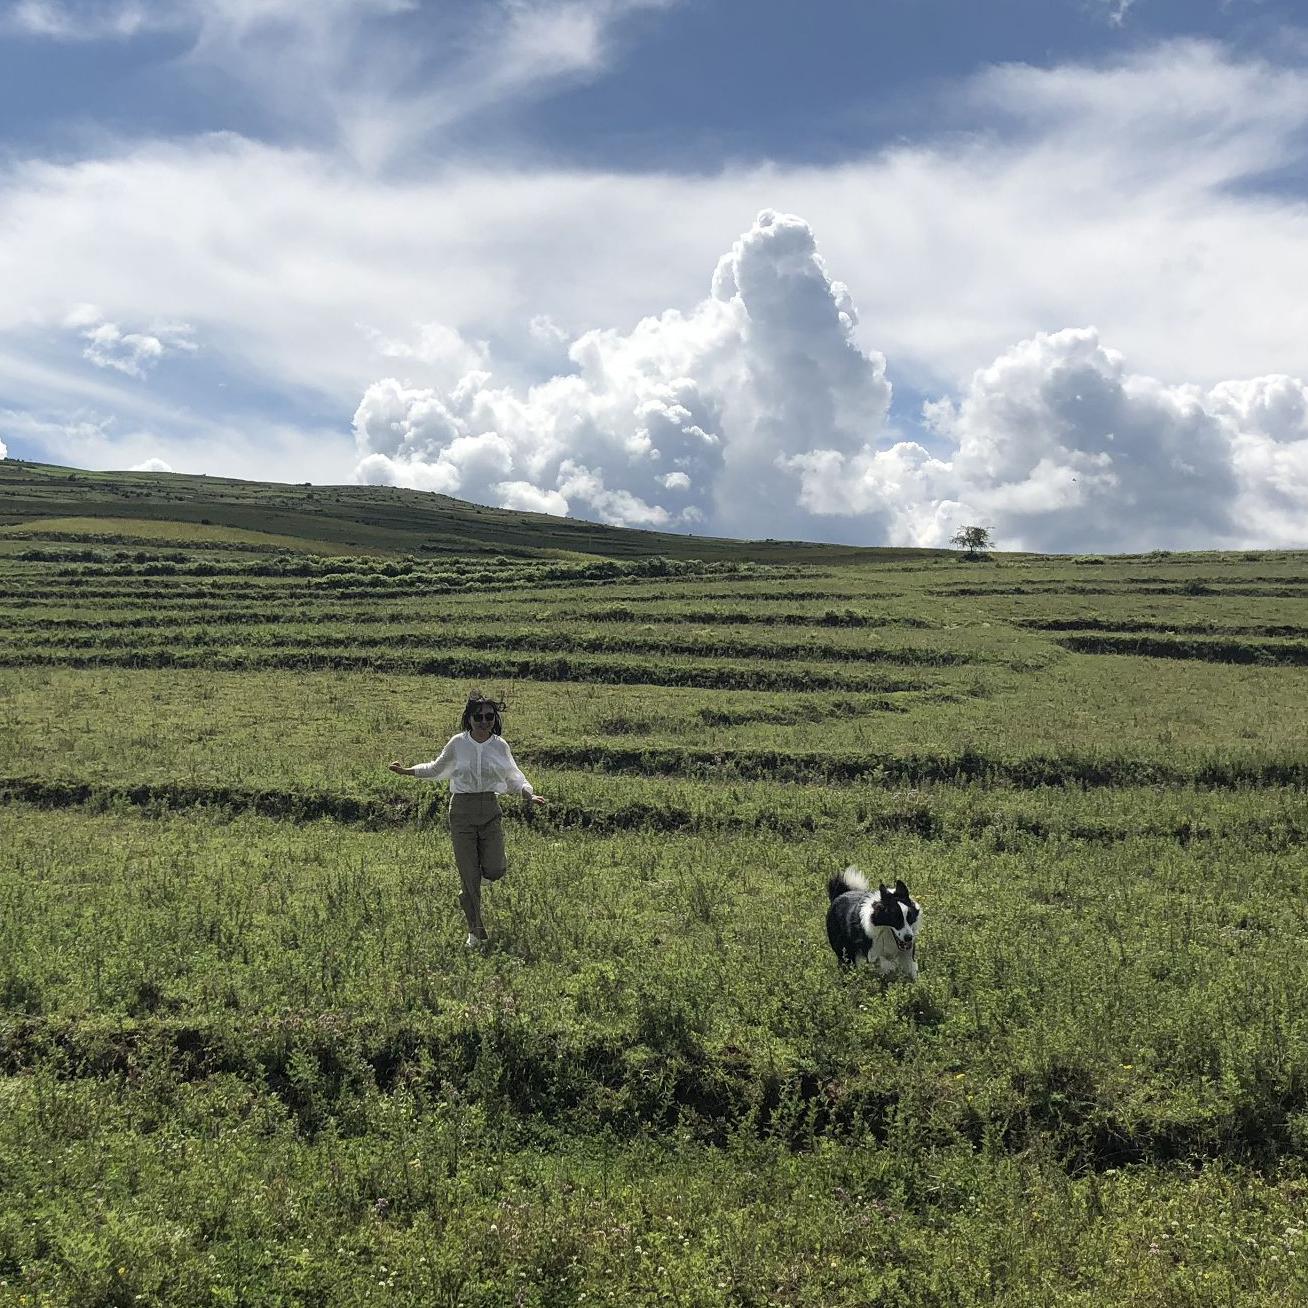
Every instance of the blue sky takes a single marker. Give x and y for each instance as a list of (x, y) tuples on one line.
[(858, 269)]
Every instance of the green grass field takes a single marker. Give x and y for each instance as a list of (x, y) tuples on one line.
[(245, 1058)]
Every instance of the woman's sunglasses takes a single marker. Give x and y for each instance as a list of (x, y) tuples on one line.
[(481, 717)]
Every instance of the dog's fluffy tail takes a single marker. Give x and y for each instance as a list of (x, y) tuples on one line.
[(843, 882)]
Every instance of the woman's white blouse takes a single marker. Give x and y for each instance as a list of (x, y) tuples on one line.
[(472, 768)]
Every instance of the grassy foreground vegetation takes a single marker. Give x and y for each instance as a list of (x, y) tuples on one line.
[(245, 1058)]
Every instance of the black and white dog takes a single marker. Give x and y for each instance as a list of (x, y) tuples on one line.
[(873, 926)]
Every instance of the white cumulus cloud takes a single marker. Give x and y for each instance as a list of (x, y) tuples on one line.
[(756, 413), (151, 465), (133, 353), (1057, 445), (526, 498), (654, 426), (1268, 420)]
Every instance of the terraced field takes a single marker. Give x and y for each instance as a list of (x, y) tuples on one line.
[(245, 1058)]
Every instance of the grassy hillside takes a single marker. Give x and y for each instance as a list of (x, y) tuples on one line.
[(245, 1057), (41, 502)]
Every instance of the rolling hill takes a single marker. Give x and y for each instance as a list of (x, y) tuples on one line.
[(45, 502)]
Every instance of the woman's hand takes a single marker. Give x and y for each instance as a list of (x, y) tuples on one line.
[(398, 767), (538, 799)]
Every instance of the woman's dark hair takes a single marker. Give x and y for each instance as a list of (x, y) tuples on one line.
[(476, 700)]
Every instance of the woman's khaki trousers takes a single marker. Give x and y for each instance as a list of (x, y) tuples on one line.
[(477, 833)]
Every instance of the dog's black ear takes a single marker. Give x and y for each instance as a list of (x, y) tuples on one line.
[(885, 894), (901, 891)]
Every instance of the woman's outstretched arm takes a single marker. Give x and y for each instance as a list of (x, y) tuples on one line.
[(439, 769)]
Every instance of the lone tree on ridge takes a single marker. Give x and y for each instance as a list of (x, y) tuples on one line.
[(973, 540)]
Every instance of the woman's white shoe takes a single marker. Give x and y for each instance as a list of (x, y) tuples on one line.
[(472, 942)]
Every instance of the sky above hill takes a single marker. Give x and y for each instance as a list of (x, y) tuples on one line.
[(852, 270)]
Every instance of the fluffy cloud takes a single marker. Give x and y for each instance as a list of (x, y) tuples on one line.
[(1056, 446), (1268, 422), (637, 434), (756, 413), (1057, 440), (526, 498), (151, 465), (133, 353)]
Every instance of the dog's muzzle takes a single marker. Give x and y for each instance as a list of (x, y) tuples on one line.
[(904, 945)]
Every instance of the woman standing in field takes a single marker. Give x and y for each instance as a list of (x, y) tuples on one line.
[(479, 766)]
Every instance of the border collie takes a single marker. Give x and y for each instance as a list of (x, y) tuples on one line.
[(873, 926)]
